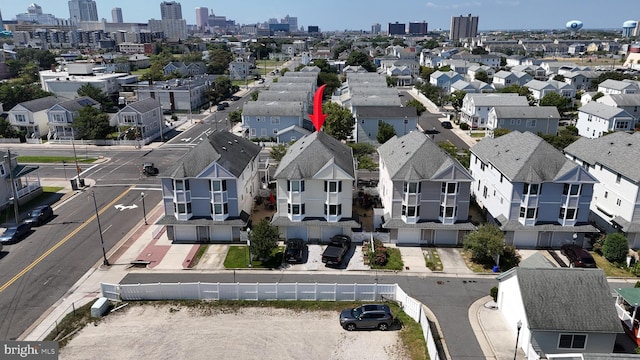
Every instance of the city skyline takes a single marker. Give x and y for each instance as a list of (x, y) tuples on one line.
[(333, 15)]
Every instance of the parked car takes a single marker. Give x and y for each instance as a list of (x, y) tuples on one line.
[(15, 233), (149, 168), (235, 98), (294, 251), (447, 125), (220, 107), (578, 257), (39, 215), (338, 247), (368, 316)]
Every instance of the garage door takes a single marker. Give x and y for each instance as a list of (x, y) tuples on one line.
[(525, 239), (220, 233), (409, 236), (328, 232), (185, 233), (296, 232), (446, 237)]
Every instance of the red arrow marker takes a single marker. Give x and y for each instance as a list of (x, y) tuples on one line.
[(317, 118)]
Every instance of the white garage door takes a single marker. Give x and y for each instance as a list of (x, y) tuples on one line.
[(446, 237), (525, 239), (328, 232), (220, 233), (297, 232), (185, 233), (409, 236)]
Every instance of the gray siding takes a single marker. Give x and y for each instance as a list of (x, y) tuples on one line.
[(596, 342)]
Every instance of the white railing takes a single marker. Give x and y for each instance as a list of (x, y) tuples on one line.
[(28, 189), (624, 316)]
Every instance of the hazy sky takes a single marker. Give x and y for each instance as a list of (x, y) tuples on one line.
[(360, 14)]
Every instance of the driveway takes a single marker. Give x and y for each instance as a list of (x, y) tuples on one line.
[(354, 260)]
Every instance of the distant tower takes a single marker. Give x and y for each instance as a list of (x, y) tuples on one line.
[(116, 15), (202, 17), (1, 23), (628, 28), (171, 10), (463, 27), (376, 28), (574, 26), (82, 10)]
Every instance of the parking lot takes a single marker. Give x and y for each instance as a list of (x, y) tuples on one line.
[(312, 260), (177, 332)]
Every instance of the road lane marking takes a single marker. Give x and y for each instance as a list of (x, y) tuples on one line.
[(61, 242)]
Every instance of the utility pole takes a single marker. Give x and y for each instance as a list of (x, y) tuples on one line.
[(13, 188)]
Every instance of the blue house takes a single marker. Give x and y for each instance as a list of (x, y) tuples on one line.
[(262, 119)]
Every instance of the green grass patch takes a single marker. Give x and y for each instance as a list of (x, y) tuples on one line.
[(410, 334), (432, 259), (238, 258), (201, 250), (609, 268), (394, 261), (51, 189), (54, 159), (475, 267), (479, 134)]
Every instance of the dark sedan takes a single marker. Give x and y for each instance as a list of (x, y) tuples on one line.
[(39, 215), (578, 257), (15, 233)]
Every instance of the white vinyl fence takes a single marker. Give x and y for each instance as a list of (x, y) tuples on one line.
[(280, 291)]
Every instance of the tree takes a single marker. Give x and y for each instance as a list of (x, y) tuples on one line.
[(8, 131), (420, 108), (479, 51), (331, 80), (500, 131), (362, 152), (615, 248), (96, 94), (391, 82), (235, 116), (264, 239), (385, 132), (554, 99), (430, 44), (219, 60), (558, 77), (456, 99), (277, 152), (254, 96), (221, 89), (482, 75), (485, 243), (425, 72), (597, 96), (91, 124), (613, 75), (339, 122), (11, 95), (324, 66), (358, 58), (520, 90), (432, 92)]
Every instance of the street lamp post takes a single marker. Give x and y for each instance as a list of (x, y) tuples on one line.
[(519, 325), (405, 125), (574, 237), (75, 156), (104, 253), (144, 210)]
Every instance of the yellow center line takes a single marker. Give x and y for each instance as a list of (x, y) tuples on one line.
[(61, 242)]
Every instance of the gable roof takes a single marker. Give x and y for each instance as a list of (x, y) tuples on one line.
[(524, 157), (546, 294), (416, 157), (230, 151), (616, 84), (143, 106), (621, 99), (39, 104), (79, 103), (617, 151), (379, 112), (311, 153), (527, 112), (602, 110), (499, 99), (273, 108)]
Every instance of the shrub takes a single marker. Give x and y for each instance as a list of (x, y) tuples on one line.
[(615, 248), (464, 126), (380, 258), (494, 293)]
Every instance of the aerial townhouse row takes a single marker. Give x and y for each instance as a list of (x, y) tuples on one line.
[(539, 197)]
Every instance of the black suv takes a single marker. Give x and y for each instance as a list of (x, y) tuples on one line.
[(294, 251), (39, 215), (368, 316)]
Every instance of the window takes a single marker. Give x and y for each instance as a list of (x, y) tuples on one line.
[(568, 213), (606, 194), (182, 208), (182, 185), (59, 118), (2, 173), (218, 185), (532, 123), (449, 188), (448, 211), (484, 192), (296, 209), (528, 213), (618, 178), (572, 341), (219, 209), (252, 132), (295, 185), (622, 124), (531, 189), (410, 211), (618, 202), (572, 189), (334, 210), (333, 186), (275, 120), (20, 118), (411, 187)]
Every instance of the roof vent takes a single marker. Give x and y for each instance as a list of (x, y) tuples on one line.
[(229, 142), (235, 140), (224, 148)]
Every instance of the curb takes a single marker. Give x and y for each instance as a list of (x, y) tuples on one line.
[(474, 320)]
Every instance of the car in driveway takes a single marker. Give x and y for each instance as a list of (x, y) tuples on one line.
[(578, 257), (39, 215), (293, 252), (367, 316), (447, 125), (15, 233)]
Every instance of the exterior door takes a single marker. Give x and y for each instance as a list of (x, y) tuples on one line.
[(203, 233)]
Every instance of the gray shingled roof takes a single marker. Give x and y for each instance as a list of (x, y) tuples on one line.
[(415, 157), (523, 157), (298, 80), (79, 103), (615, 84), (602, 111), (311, 74), (527, 112), (617, 151), (623, 99), (284, 95), (375, 100), (493, 99), (272, 108), (40, 104), (563, 299), (230, 151), (386, 111), (311, 153), (144, 106), (282, 85)]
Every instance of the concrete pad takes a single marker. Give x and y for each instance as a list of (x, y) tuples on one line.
[(452, 261), (213, 258), (413, 259), (356, 262)]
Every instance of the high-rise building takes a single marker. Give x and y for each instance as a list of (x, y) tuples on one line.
[(34, 15), (397, 28), (418, 28), (376, 29), (463, 27), (82, 10), (292, 21), (202, 17), (171, 10), (116, 15)]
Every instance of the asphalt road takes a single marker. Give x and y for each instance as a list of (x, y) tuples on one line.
[(448, 298)]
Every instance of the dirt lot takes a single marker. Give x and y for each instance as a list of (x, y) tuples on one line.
[(172, 332)]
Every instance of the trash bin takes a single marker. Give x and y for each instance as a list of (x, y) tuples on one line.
[(496, 268), (81, 182), (74, 184)]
